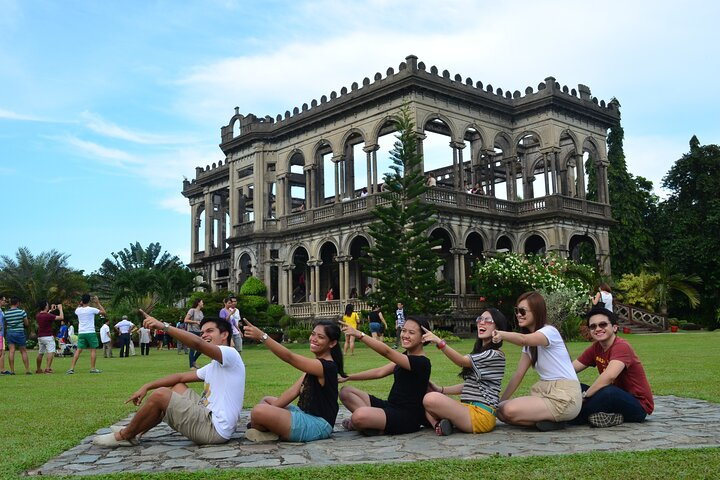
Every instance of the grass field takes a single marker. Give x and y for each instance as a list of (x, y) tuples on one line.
[(43, 415)]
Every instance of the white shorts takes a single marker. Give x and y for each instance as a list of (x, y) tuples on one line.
[(46, 345)]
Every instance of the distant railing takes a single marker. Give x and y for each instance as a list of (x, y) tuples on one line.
[(641, 317)]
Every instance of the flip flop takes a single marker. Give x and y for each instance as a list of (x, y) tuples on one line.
[(444, 427)]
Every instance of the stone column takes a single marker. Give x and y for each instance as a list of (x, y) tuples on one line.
[(460, 280), (209, 222), (286, 286), (581, 191), (308, 171)]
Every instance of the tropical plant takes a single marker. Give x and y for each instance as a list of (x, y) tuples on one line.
[(633, 289), (665, 281), (46, 276), (401, 260)]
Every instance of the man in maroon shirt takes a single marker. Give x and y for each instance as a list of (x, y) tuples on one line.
[(621, 393), (46, 339)]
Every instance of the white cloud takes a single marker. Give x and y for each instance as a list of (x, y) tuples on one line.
[(9, 115), (176, 203), (108, 129), (105, 155)]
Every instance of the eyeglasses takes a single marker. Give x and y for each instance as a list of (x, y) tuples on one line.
[(595, 326), (521, 311), (485, 320)]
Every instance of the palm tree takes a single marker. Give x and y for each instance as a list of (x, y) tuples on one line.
[(46, 276), (664, 281)]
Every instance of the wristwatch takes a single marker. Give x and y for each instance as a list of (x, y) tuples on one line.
[(263, 338), (167, 325)]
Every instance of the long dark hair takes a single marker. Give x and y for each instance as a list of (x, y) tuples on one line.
[(537, 306), (349, 309), (332, 330), (501, 323)]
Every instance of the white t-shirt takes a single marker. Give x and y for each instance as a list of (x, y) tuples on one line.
[(224, 390), (607, 299), (86, 319), (553, 362), (124, 326), (144, 335), (105, 333)]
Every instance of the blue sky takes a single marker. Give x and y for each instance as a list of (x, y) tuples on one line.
[(105, 106)]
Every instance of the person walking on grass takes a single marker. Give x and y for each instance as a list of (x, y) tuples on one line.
[(210, 418), (16, 321), (403, 411), (87, 337), (46, 339), (482, 373), (317, 389), (3, 302), (144, 340), (557, 397), (378, 325), (231, 313), (105, 338), (621, 393), (192, 321), (399, 322), (351, 318)]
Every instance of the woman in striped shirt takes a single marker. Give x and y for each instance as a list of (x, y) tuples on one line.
[(482, 374)]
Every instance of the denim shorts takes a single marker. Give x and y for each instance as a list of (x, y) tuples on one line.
[(307, 428), (17, 338), (376, 327)]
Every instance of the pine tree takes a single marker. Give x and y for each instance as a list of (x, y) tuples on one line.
[(401, 260)]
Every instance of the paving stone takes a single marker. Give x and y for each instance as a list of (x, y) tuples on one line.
[(676, 423)]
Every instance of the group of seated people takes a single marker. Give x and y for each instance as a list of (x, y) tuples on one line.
[(620, 393)]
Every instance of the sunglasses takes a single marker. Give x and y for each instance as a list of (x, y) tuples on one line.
[(485, 320), (594, 326), (521, 311)]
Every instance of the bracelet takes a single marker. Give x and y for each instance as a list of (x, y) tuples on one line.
[(441, 345)]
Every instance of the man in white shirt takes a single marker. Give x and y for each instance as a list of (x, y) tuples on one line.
[(123, 328), (87, 338), (207, 419), (105, 339)]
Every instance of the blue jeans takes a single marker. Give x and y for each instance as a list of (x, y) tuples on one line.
[(193, 355), (124, 345), (611, 399)]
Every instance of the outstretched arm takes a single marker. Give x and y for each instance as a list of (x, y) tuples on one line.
[(187, 338), (393, 355), (455, 357), (308, 365), (517, 377), (535, 339), (372, 374)]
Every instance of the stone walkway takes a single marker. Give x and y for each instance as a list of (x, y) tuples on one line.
[(676, 423)]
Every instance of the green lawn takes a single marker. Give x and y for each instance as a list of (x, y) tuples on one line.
[(44, 415)]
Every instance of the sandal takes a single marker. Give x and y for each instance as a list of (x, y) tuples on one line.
[(444, 427), (348, 425), (49, 370)]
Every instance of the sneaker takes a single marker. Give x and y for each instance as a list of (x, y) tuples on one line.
[(95, 370), (603, 419), (109, 440), (444, 427), (255, 435), (70, 372), (548, 426), (5, 372)]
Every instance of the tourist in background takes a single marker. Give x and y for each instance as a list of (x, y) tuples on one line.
[(16, 321), (351, 318), (192, 320), (605, 296), (105, 338), (87, 338), (46, 339)]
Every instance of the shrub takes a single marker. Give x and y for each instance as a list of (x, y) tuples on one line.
[(633, 290), (299, 334), (564, 309), (253, 286)]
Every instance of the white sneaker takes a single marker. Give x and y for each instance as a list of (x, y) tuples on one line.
[(109, 440), (255, 435)]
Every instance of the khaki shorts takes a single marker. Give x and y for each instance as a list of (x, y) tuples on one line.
[(562, 397), (46, 345), (185, 415)]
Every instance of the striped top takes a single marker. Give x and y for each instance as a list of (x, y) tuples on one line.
[(483, 385), (14, 320)]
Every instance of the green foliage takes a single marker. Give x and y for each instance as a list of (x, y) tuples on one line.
[(142, 278), (689, 223), (501, 279), (565, 307), (169, 314), (446, 335), (664, 282), (253, 286), (401, 259), (299, 334), (213, 302), (633, 289), (276, 311), (46, 276)]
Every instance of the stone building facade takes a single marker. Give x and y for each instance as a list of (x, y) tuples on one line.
[(291, 201)]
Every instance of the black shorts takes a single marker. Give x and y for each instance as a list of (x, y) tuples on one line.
[(399, 420)]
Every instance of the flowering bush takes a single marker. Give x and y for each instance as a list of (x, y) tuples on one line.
[(565, 307), (503, 278)]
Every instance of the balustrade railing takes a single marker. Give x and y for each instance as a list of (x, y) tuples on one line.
[(642, 317)]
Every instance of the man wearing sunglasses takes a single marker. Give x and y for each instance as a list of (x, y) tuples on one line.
[(621, 393)]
